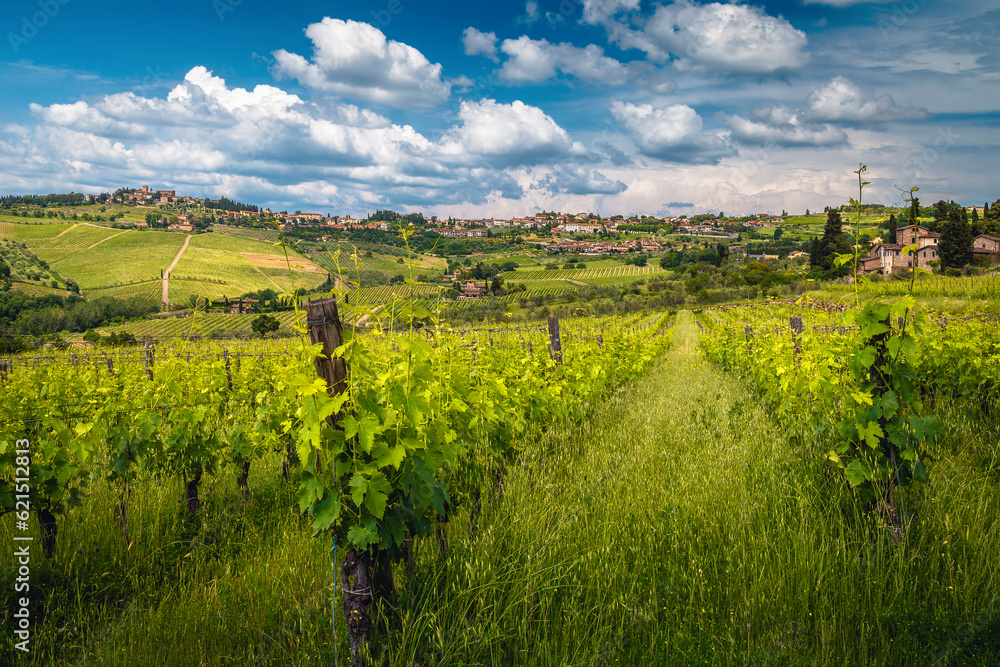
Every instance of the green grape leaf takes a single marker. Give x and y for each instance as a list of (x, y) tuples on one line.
[(363, 535), (326, 511)]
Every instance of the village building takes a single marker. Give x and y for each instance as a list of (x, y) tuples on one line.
[(886, 258), (988, 246), (580, 227), (239, 305), (471, 290), (461, 233), (182, 225)]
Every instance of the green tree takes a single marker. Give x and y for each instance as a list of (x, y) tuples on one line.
[(974, 224), (721, 252), (264, 324), (940, 210), (914, 211), (833, 242), (991, 214), (891, 236), (955, 246)]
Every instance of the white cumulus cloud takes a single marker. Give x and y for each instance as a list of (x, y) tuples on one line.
[(841, 100), (781, 126), (600, 11), (213, 139), (673, 133), (355, 60), (537, 60), (717, 37), (479, 43), (507, 134), (575, 180)]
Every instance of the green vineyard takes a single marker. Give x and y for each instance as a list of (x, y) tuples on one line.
[(794, 482)]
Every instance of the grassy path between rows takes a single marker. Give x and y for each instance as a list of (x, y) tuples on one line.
[(679, 527), (165, 297), (647, 536)]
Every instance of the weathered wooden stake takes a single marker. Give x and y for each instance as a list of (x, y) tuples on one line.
[(355, 577), (325, 327), (229, 372), (796, 325), (148, 360), (555, 342)]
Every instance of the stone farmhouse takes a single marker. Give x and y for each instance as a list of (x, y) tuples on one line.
[(985, 244), (471, 290), (886, 258)]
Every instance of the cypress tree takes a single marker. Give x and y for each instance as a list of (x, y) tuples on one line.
[(833, 239), (955, 247), (814, 253), (891, 236), (991, 219)]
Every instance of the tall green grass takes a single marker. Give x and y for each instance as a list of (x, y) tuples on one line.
[(676, 525)]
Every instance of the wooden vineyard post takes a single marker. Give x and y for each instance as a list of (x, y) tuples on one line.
[(555, 342), (325, 327), (323, 321), (148, 360), (229, 372), (796, 325)]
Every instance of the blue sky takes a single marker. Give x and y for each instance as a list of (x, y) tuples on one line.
[(504, 108)]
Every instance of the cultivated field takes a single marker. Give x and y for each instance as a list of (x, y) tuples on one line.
[(218, 265), (613, 270), (201, 325), (113, 262)]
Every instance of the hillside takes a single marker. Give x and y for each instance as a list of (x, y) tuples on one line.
[(104, 261)]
